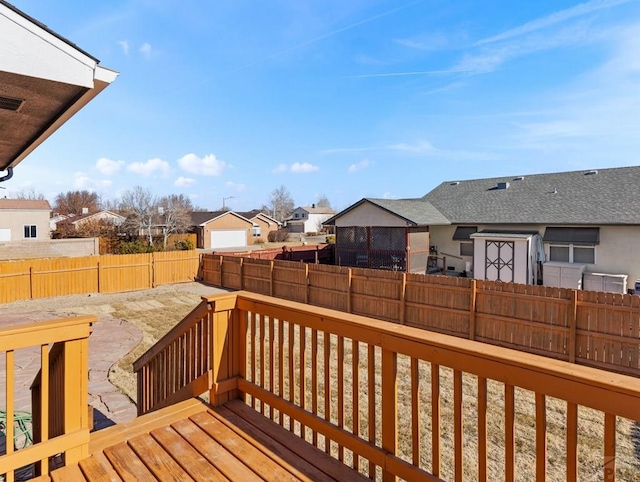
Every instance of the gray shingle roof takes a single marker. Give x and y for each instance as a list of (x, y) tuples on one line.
[(417, 211), (201, 217), (610, 196)]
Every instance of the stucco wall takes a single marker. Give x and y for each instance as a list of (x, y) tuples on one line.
[(53, 248), (17, 219), (369, 215), (265, 227), (228, 221)]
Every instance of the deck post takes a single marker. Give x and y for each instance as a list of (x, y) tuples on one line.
[(75, 390), (389, 408)]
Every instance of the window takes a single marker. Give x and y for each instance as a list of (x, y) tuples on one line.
[(466, 249), (30, 231), (570, 253), (296, 215), (256, 230)]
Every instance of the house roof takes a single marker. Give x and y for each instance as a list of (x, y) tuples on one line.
[(316, 210), (198, 218), (604, 196), (25, 204), (45, 80), (86, 217), (257, 213), (414, 211)]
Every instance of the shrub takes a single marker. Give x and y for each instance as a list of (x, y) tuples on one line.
[(258, 241), (331, 239), (184, 245), (278, 236), (135, 247)]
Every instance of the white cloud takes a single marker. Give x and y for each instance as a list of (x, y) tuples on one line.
[(303, 167), (146, 50), (125, 46), (82, 181), (358, 166), (108, 167), (208, 165), (280, 168), (235, 186), (150, 167), (184, 182)]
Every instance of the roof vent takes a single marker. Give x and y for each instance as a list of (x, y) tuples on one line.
[(591, 173), (454, 183), (8, 103), (519, 178), (503, 185)]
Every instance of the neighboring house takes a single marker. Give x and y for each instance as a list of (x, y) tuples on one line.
[(308, 219), (221, 229), (75, 223), (57, 219), (386, 234), (44, 80), (584, 220), (24, 220), (262, 223)]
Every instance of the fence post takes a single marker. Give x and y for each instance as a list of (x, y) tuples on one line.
[(99, 276), (573, 314), (30, 282), (403, 306), (306, 283), (153, 270), (472, 311), (271, 278), (389, 407), (220, 271), (349, 276), (241, 273)]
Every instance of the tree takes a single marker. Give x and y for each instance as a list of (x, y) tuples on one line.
[(29, 193), (280, 204), (141, 209), (323, 202), (174, 213), (73, 202)]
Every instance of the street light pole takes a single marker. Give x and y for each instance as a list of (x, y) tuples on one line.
[(223, 200)]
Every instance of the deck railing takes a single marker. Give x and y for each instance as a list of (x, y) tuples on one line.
[(59, 392), (398, 402)]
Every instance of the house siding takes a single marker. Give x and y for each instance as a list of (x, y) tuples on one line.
[(369, 215), (15, 220), (617, 253)]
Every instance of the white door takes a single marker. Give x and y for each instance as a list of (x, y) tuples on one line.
[(5, 234), (230, 238)]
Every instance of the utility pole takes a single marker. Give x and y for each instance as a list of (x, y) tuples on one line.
[(223, 200)]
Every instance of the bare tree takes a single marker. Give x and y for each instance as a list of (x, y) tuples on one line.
[(323, 202), (73, 202), (175, 214), (280, 204), (29, 193), (141, 210)]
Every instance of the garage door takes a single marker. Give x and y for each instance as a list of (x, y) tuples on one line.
[(5, 234), (231, 238)]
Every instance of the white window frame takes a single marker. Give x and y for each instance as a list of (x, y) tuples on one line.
[(571, 247), (256, 230), (31, 227)]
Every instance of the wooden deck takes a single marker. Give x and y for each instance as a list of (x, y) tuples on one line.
[(194, 441)]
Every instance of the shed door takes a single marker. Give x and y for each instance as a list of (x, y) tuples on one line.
[(230, 238), (5, 234), (499, 260)]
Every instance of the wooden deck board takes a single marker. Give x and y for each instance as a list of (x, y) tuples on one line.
[(187, 456), (193, 441)]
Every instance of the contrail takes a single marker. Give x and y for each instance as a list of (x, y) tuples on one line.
[(327, 35)]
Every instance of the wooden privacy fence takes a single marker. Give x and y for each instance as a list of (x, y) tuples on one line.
[(42, 278), (588, 328), (392, 403)]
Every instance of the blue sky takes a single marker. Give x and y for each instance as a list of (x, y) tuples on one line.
[(350, 99)]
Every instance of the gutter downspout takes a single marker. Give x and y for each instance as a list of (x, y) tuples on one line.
[(8, 176)]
